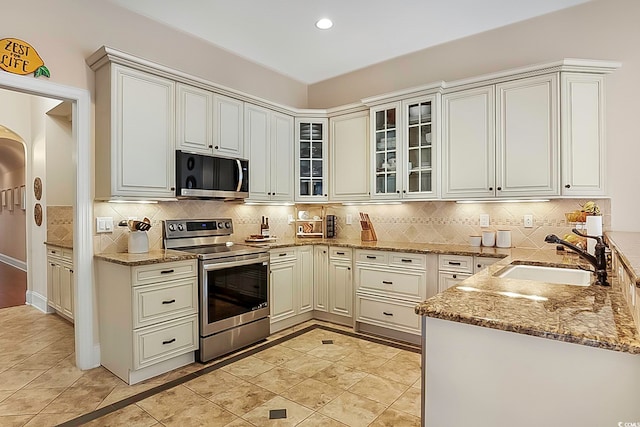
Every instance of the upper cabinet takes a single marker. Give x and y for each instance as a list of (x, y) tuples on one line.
[(404, 149), (135, 117), (502, 140), (209, 123), (269, 148), (582, 136), (311, 160), (349, 154)]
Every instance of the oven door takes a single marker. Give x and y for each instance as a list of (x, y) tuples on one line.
[(233, 291)]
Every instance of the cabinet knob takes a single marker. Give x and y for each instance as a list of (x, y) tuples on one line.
[(490, 188), (567, 186), (325, 195), (398, 191), (404, 191), (348, 268), (499, 188), (216, 147), (455, 276), (211, 146), (173, 188)]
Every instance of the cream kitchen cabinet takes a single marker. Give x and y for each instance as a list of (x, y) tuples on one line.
[(341, 282), (60, 281), (291, 286), (453, 269), (311, 169), (269, 148), (482, 262), (209, 123), (404, 157), (502, 140), (321, 278), (583, 135), (148, 317), (350, 162), (135, 115)]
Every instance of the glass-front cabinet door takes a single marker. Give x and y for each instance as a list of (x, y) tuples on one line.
[(311, 159), (419, 119), (387, 159)]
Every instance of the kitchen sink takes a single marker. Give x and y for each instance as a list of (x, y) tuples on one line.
[(561, 276)]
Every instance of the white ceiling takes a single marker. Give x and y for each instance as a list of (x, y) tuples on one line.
[(280, 34)]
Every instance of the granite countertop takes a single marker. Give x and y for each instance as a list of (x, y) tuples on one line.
[(627, 245), (64, 244), (151, 257), (595, 316)]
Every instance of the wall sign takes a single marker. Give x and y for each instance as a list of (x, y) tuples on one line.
[(19, 57)]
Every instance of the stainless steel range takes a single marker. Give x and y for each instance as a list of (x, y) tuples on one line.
[(233, 284)]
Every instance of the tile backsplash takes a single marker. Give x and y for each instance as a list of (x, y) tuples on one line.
[(433, 222), (59, 223)]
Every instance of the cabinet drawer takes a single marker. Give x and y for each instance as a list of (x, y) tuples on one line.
[(482, 262), (407, 260), (152, 273), (463, 264), (372, 257), (281, 255), (447, 280), (154, 344), (159, 302), (387, 313), (409, 285), (61, 254), (341, 253)]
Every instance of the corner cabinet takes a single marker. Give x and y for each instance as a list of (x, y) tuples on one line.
[(404, 141), (269, 148), (349, 165), (501, 140), (311, 169), (135, 114)]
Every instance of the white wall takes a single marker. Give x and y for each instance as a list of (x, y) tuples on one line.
[(60, 166), (13, 236)]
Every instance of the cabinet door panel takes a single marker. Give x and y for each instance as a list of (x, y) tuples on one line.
[(321, 278), (340, 289), (305, 283), (468, 143), (350, 157), (283, 295), (66, 291), (194, 119), (281, 157), (228, 126), (257, 143), (526, 143)]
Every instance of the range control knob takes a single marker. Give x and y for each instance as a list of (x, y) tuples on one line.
[(172, 227), (180, 227), (220, 225), (227, 224)]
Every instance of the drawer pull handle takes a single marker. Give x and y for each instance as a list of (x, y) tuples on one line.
[(386, 282), (167, 271), (371, 257), (171, 301), (453, 263), (340, 253), (169, 341), (387, 314), (283, 254), (406, 260)]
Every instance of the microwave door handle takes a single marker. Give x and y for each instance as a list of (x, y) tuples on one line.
[(240, 175)]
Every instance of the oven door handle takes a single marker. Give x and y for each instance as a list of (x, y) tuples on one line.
[(240, 175), (223, 265)]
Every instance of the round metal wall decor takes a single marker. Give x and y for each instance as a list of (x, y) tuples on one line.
[(37, 214), (37, 188)]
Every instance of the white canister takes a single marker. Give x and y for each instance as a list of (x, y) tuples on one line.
[(475, 240), (488, 238), (138, 242), (503, 238), (594, 228)]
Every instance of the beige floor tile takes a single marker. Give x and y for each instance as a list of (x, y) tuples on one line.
[(12, 358), (278, 354), (239, 422), (382, 390), (332, 352), (14, 420), (393, 418), (362, 361), (339, 376), (353, 410), (185, 370), (248, 367), (24, 402), (29, 347), (170, 402), (307, 365), (40, 361), (242, 398), (302, 343), (122, 392), (51, 420), (213, 383), (380, 350), (312, 393), (61, 375), (295, 413), (98, 377), (60, 346), (15, 379), (204, 414), (409, 402), (417, 384), (407, 356), (278, 379), (400, 371), (78, 399), (4, 394), (130, 416), (319, 420)]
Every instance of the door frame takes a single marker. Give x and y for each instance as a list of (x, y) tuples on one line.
[(87, 347)]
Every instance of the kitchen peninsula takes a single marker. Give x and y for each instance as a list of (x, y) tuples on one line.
[(500, 351)]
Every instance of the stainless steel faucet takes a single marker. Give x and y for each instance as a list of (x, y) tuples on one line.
[(599, 260)]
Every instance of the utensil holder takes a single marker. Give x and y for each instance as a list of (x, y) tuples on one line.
[(138, 242), (367, 236)]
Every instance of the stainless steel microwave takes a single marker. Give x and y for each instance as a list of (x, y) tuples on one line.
[(210, 177)]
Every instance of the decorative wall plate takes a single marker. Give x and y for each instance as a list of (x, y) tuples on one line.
[(37, 214), (37, 187)]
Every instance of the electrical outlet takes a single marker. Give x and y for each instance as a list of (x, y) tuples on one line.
[(349, 219), (528, 221), (484, 220), (290, 219)]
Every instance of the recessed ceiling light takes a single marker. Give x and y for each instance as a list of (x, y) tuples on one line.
[(324, 24)]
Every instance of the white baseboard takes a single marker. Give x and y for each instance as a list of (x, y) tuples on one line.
[(38, 301), (21, 265)]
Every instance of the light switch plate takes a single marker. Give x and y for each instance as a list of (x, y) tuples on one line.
[(104, 224), (528, 221), (484, 220), (290, 219), (349, 219)]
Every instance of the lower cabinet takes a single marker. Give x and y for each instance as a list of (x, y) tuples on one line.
[(453, 269), (340, 282), (60, 281), (148, 317), (321, 278)]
